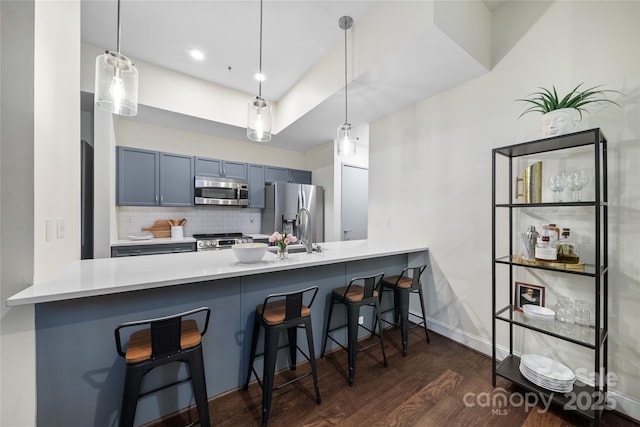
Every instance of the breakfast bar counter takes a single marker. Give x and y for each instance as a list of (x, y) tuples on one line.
[(80, 375)]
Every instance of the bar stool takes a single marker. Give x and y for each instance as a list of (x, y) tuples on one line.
[(403, 285), (361, 291), (164, 340), (284, 311)]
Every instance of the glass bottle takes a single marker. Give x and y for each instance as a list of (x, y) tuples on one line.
[(546, 251), (554, 233), (567, 249)]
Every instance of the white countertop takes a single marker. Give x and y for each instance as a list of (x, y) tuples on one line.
[(86, 278)]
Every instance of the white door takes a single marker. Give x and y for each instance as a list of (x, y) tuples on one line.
[(355, 200)]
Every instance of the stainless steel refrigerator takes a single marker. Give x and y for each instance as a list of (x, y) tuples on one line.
[(282, 203)]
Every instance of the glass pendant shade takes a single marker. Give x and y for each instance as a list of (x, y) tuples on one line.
[(116, 84), (259, 120), (346, 140)]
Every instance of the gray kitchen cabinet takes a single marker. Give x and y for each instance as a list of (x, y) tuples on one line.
[(137, 177), (299, 176), (277, 174), (152, 178), (220, 168), (255, 175), (166, 248), (176, 180)]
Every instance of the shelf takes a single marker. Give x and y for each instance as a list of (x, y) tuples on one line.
[(587, 204), (589, 269), (549, 328), (509, 369), (577, 139)]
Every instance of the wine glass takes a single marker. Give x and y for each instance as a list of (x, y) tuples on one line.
[(582, 179), (572, 183), (556, 184)]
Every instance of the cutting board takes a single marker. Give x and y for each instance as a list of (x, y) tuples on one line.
[(161, 228)]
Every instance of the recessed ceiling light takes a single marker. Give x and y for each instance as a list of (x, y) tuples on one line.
[(196, 54), (259, 76)]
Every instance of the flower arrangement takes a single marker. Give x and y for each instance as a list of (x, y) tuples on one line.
[(282, 240)]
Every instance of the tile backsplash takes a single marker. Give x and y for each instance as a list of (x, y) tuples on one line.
[(131, 219)]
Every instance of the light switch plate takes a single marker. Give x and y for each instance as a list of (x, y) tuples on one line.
[(61, 228), (50, 229)]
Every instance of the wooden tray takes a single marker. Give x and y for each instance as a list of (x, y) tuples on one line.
[(560, 265)]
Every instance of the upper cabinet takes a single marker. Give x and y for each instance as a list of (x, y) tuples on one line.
[(256, 186), (220, 168), (152, 178), (276, 174)]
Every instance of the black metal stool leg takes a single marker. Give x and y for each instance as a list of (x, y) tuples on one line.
[(293, 345), (270, 356), (424, 314), (353, 312), (377, 316), (326, 329), (132, 380), (198, 381), (403, 298), (312, 357), (254, 344)]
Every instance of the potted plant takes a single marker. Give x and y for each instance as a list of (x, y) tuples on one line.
[(561, 115)]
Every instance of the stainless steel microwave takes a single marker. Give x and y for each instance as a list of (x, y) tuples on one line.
[(221, 191)]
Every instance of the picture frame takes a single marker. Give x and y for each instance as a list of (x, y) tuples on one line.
[(526, 293)]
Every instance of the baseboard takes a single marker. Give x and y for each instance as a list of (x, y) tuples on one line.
[(624, 404)]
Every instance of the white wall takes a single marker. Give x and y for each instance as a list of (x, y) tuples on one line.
[(442, 146), (41, 155)]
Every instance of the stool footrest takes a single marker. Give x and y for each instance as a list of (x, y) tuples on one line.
[(162, 387)]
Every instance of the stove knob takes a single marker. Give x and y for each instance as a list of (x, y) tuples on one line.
[(209, 243)]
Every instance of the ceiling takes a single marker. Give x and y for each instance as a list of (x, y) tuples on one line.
[(296, 35)]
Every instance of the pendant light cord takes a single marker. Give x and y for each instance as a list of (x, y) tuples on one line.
[(345, 77), (118, 39), (260, 62)]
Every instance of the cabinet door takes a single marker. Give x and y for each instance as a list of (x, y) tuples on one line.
[(208, 167), (299, 176), (234, 170), (256, 186), (176, 180), (137, 172), (274, 174)]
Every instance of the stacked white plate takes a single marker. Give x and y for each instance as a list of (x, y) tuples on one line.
[(535, 312), (547, 373)]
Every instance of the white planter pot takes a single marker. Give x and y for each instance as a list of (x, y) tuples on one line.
[(559, 122)]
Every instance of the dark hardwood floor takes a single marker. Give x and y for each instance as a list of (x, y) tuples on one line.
[(438, 384)]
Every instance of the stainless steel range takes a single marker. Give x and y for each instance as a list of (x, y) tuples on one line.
[(210, 242)]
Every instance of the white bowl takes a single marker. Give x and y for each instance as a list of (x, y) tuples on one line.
[(535, 312), (249, 252)]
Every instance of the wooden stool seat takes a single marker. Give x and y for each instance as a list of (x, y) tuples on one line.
[(355, 293), (139, 348), (275, 312), (399, 281)]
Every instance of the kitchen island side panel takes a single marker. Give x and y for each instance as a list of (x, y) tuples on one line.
[(80, 375)]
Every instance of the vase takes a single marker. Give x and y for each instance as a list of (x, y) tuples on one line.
[(283, 252), (559, 122)]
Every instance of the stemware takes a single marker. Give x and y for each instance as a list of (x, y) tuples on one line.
[(582, 179), (556, 184)]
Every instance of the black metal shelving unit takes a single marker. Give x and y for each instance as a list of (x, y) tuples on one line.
[(596, 340)]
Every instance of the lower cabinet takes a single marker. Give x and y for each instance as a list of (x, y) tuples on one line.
[(168, 248)]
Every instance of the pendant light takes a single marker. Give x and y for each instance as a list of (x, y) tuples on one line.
[(259, 117), (116, 86), (346, 133)]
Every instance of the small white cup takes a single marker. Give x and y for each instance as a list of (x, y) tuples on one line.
[(177, 232)]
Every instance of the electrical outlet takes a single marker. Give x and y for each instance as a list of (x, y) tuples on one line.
[(361, 320), (61, 231)]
